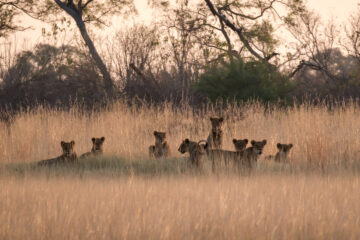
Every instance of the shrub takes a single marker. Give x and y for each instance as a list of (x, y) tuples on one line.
[(241, 80)]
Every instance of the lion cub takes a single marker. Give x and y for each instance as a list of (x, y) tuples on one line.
[(97, 148), (68, 156), (216, 135), (195, 150), (161, 147), (282, 154)]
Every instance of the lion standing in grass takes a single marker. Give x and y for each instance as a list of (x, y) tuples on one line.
[(161, 147), (195, 150), (215, 138), (68, 156), (97, 148), (218, 155)]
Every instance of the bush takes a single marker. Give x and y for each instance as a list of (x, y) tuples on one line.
[(50, 75), (241, 80)]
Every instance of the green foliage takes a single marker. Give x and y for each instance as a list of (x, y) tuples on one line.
[(241, 80)]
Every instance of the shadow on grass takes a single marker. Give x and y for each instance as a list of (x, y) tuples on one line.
[(105, 165), (115, 166)]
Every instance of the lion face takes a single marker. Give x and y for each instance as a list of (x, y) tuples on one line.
[(216, 123), (184, 146), (258, 146), (239, 144), (160, 137), (67, 147), (98, 143), (284, 147)]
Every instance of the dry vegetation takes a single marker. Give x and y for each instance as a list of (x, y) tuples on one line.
[(127, 196)]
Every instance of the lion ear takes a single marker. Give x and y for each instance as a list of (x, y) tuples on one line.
[(221, 119), (72, 143), (187, 140), (211, 118), (234, 140), (246, 140), (155, 133), (252, 142), (279, 146), (93, 139), (264, 141), (62, 143), (102, 139), (290, 145)]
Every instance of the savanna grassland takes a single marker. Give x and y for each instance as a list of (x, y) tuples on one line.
[(125, 195)]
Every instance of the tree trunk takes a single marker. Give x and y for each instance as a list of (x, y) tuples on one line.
[(108, 83), (76, 14)]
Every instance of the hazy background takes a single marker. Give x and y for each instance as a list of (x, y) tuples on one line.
[(338, 11)]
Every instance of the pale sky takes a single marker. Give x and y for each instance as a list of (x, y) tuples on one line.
[(338, 10)]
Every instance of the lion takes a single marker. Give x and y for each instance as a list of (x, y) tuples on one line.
[(97, 148), (195, 149), (240, 144), (282, 154), (216, 136), (252, 153), (218, 155), (68, 156), (161, 147)]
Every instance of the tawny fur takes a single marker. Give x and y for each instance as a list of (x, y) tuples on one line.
[(161, 147), (195, 150), (252, 153), (215, 138), (282, 154), (240, 144), (97, 148), (68, 156), (236, 157), (217, 156)]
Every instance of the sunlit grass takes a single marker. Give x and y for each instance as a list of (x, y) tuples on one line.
[(125, 195)]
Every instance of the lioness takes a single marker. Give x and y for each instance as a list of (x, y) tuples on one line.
[(252, 153), (97, 148), (282, 154), (195, 150), (161, 147), (216, 135), (68, 156), (236, 157)]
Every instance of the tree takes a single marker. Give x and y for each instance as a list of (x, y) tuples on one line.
[(7, 15), (82, 12), (135, 55), (352, 41), (250, 21), (51, 75), (341, 81), (239, 80)]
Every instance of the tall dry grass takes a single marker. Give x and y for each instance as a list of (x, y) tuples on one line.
[(319, 136), (256, 207), (127, 196)]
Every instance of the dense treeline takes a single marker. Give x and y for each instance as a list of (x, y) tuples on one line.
[(195, 51)]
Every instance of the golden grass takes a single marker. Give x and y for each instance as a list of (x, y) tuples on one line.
[(257, 207), (124, 195), (319, 136)]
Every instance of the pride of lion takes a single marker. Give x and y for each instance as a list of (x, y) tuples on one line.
[(243, 157)]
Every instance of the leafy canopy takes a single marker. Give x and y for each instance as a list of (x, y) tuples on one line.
[(239, 80)]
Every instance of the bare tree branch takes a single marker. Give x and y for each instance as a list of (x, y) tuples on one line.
[(239, 30)]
